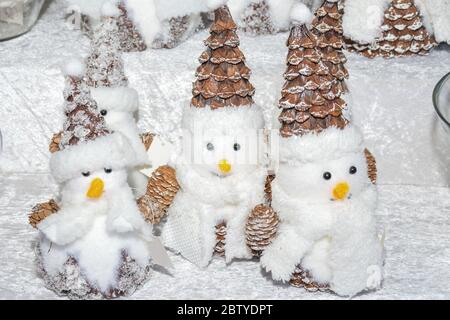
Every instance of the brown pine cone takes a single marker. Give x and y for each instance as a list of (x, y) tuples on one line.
[(54, 143), (302, 279), (261, 228), (221, 233), (161, 190), (42, 211), (372, 166), (147, 139)]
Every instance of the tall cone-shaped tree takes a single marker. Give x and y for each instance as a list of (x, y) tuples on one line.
[(222, 77), (403, 34), (130, 37), (311, 96), (104, 64), (327, 27)]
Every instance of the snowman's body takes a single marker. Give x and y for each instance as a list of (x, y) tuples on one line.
[(118, 106), (204, 202), (217, 183), (326, 225), (100, 235)]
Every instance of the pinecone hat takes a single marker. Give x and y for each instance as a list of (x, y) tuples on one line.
[(312, 99), (222, 92), (105, 70), (86, 143)]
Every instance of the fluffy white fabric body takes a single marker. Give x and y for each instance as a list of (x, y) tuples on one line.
[(207, 196), (121, 105), (95, 232), (333, 239)]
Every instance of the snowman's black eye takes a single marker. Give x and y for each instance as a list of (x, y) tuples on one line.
[(327, 175), (86, 174), (103, 112), (352, 170), (108, 170), (210, 146), (237, 147)]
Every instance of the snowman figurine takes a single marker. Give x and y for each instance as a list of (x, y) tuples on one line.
[(97, 244), (221, 179)]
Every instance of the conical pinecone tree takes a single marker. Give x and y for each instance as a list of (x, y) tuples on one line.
[(403, 34), (84, 122), (222, 77), (256, 19), (130, 38), (104, 64), (327, 27), (311, 97)]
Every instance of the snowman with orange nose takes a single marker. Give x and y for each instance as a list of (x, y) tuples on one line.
[(220, 177), (326, 204), (97, 244)]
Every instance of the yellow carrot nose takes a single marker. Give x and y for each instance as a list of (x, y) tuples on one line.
[(224, 166), (341, 190), (96, 189)]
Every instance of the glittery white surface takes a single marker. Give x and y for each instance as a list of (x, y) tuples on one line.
[(391, 102)]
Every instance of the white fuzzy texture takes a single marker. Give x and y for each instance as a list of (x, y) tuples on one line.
[(334, 240), (206, 200), (362, 19), (330, 144), (166, 9), (91, 8), (110, 9), (215, 4), (225, 119), (117, 99), (143, 14), (75, 67), (436, 16), (301, 14), (112, 151), (280, 11)]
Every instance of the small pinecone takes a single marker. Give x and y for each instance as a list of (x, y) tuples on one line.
[(302, 279), (221, 233), (42, 211), (161, 190), (372, 166), (54, 143), (261, 228), (147, 139)]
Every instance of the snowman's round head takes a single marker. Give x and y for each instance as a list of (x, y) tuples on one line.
[(75, 162), (324, 167), (115, 103), (94, 185), (223, 142)]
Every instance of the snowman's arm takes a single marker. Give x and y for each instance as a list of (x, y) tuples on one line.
[(147, 139), (41, 211), (162, 188), (54, 143), (285, 253), (69, 224)]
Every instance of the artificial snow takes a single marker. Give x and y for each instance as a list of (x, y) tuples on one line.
[(74, 67), (300, 14), (391, 101)]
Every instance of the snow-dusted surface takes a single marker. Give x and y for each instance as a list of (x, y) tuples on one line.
[(391, 102)]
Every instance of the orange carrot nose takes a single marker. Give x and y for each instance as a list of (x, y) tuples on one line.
[(341, 190), (95, 189), (224, 166)]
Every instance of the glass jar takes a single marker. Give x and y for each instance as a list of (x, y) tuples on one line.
[(441, 101), (18, 16)]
